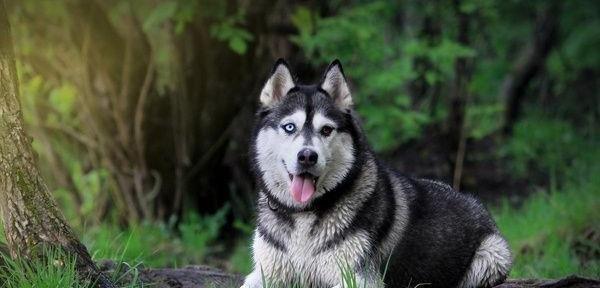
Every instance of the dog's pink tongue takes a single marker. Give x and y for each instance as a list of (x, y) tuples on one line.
[(303, 188)]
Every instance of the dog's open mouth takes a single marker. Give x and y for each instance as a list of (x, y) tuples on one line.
[(303, 186)]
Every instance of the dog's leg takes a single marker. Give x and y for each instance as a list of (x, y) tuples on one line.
[(490, 265), (253, 280)]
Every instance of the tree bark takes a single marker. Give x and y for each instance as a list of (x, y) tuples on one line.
[(30, 215)]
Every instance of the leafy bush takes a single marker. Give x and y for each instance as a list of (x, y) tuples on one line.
[(382, 63), (158, 245), (544, 144)]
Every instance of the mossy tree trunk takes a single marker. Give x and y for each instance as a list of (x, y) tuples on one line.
[(30, 215)]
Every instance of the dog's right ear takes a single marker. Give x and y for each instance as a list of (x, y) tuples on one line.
[(279, 84)]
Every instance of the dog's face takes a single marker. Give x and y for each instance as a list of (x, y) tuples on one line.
[(304, 145)]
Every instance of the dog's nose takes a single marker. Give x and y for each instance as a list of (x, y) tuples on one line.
[(307, 157)]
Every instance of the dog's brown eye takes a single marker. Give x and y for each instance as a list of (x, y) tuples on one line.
[(326, 130)]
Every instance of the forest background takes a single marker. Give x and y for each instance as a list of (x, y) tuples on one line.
[(141, 113)]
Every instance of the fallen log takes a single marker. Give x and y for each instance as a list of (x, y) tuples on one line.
[(208, 277), (572, 281)]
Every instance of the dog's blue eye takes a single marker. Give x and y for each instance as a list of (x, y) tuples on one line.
[(289, 128)]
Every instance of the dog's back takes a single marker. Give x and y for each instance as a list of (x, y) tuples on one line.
[(450, 240)]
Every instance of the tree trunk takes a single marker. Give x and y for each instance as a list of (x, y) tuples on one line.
[(30, 215), (460, 94), (529, 63)]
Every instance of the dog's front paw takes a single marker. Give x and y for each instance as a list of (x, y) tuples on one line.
[(254, 280), (250, 285)]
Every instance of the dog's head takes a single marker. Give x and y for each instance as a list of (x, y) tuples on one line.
[(305, 138)]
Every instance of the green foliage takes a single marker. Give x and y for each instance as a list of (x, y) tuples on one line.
[(240, 259), (544, 144), (550, 233), (53, 269), (199, 233), (579, 25), (158, 245), (163, 12), (357, 36), (387, 55), (443, 55), (484, 119), (63, 100), (384, 60), (229, 29)]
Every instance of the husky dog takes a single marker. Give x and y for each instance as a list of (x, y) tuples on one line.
[(327, 207)]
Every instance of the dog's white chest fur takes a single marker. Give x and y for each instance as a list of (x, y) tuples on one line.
[(300, 241), (302, 247), (305, 260)]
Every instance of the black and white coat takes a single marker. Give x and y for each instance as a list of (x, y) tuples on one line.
[(364, 216)]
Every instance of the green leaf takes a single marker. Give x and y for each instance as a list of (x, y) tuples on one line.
[(303, 20), (63, 99), (238, 45), (161, 13)]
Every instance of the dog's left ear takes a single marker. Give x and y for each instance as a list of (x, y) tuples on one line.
[(334, 83)]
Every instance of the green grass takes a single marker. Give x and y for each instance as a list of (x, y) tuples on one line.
[(158, 245), (544, 232), (144, 245), (549, 234), (53, 270)]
